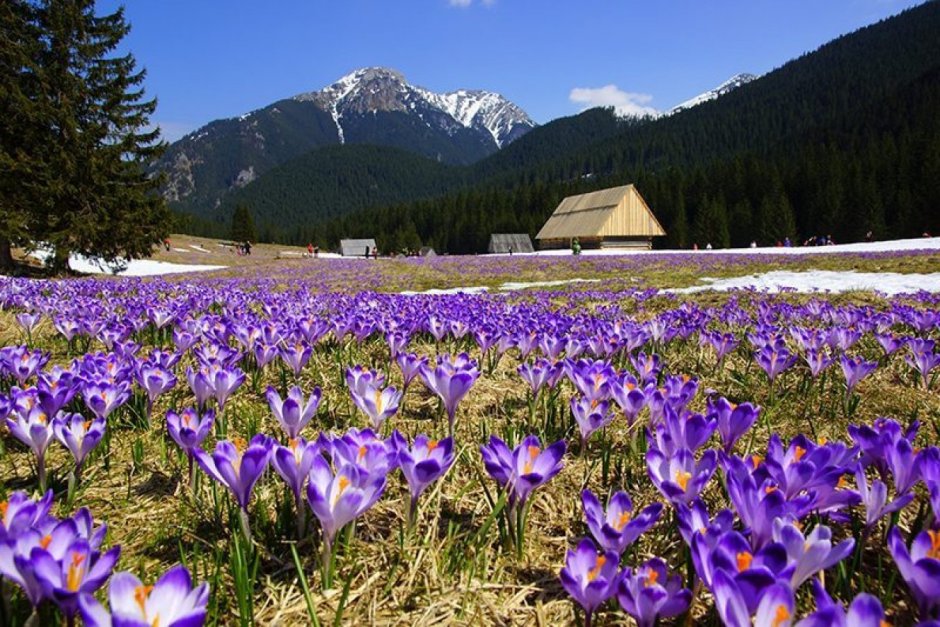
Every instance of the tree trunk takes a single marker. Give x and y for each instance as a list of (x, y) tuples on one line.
[(6, 256)]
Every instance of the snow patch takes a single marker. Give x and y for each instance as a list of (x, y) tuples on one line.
[(890, 283)]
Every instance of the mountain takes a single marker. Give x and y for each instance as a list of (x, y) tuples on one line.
[(369, 106), (839, 141), (725, 88)]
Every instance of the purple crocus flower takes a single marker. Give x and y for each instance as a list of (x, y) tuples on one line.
[(155, 380), (589, 578), (170, 602), (377, 403), (81, 571), (224, 383), (422, 464), (864, 611), (294, 412), (774, 608), (296, 355), (590, 415), (626, 392), (592, 378), (920, 567), (200, 381), (188, 430), (451, 379), (682, 429), (34, 429), (774, 360), (678, 476), (237, 465), (923, 358), (55, 389), (694, 519), (20, 512), (338, 499), (538, 374), (855, 370), (817, 360), (807, 555), (732, 420), (615, 529), (102, 398), (649, 592), (23, 363), (410, 365), (78, 435), (524, 468), (875, 499), (293, 463)]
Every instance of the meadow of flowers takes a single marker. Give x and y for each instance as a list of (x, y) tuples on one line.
[(241, 450)]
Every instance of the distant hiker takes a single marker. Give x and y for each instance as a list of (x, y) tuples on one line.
[(367, 252), (166, 244), (247, 248), (694, 245), (787, 243), (309, 249), (316, 252), (869, 237), (753, 243), (830, 241), (375, 252), (575, 247), (510, 251)]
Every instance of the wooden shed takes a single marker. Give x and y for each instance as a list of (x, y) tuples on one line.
[(356, 247), (616, 217), (510, 243)]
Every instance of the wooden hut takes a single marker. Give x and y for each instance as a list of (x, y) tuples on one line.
[(504, 243), (356, 247), (617, 217)]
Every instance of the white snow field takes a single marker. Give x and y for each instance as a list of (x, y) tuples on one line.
[(823, 281)]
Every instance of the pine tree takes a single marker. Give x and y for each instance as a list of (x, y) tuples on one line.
[(90, 147), (243, 225), (20, 125)]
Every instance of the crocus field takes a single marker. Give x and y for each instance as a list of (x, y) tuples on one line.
[(299, 442)]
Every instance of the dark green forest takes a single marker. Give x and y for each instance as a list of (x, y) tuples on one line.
[(839, 142)]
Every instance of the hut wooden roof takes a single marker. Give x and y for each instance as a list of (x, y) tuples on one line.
[(614, 212), (355, 247)]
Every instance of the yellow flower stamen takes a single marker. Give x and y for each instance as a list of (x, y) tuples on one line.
[(622, 521), (432, 444), (780, 616), (651, 577), (682, 478), (756, 460), (799, 453), (533, 453), (73, 580), (45, 541), (141, 593), (744, 559), (934, 550), (598, 564)]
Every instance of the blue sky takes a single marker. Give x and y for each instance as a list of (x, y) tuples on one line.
[(209, 59)]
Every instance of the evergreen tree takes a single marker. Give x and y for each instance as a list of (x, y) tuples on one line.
[(243, 225), (83, 160), (20, 125)]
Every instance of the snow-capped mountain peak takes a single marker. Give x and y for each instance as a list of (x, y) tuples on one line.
[(382, 89), (728, 86)]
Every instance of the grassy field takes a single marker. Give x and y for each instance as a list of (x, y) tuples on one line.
[(457, 565)]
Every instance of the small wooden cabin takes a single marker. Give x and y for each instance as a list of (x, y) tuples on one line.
[(616, 217), (356, 247)]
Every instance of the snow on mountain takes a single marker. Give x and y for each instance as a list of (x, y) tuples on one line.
[(728, 86), (382, 89)]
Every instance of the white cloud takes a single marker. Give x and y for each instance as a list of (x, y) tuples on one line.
[(623, 102)]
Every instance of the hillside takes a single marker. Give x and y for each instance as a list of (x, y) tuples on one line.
[(374, 106), (840, 141)]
